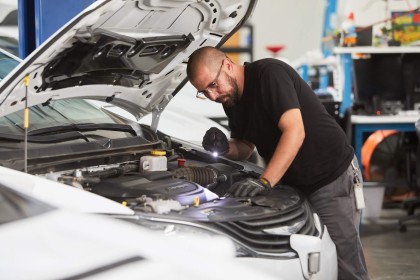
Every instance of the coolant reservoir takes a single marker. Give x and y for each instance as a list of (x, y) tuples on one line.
[(156, 161)]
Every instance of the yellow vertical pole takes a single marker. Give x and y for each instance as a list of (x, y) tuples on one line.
[(26, 120)]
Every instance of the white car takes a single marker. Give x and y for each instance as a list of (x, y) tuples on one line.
[(50, 231), (133, 54)]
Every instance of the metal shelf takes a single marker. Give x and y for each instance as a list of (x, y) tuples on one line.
[(374, 50)]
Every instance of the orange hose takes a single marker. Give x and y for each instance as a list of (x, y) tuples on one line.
[(369, 147)]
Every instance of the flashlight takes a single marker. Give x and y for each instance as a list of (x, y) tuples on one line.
[(215, 154)]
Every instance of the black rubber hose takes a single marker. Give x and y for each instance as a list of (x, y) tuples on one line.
[(201, 175)]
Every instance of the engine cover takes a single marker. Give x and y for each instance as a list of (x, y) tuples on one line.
[(154, 184)]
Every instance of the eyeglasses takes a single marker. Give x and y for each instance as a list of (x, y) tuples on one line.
[(202, 93)]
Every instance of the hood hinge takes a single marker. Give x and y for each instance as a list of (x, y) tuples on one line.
[(158, 110)]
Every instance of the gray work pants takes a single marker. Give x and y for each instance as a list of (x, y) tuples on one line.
[(336, 205)]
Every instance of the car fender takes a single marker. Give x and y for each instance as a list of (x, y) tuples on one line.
[(60, 195)]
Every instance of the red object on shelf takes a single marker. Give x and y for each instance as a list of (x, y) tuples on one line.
[(275, 48)]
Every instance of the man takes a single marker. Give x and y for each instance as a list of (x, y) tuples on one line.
[(271, 108)]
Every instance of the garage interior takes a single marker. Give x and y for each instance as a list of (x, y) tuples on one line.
[(363, 61)]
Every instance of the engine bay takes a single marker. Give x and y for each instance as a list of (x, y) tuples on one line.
[(178, 181), (173, 184)]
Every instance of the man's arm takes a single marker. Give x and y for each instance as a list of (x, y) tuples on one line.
[(239, 149), (293, 134)]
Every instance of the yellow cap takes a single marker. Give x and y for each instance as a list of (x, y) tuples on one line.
[(26, 81), (157, 153)]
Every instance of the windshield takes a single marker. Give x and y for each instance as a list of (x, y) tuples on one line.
[(56, 113)]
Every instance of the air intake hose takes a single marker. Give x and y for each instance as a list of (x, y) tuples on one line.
[(204, 176)]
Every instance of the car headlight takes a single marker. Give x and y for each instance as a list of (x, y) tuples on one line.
[(185, 228), (169, 228), (287, 229)]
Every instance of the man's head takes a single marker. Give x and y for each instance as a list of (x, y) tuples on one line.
[(212, 73)]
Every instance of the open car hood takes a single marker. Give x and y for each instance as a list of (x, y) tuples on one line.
[(129, 53)]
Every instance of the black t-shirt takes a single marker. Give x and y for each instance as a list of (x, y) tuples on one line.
[(271, 88)]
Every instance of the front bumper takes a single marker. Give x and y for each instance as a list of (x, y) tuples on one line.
[(299, 268)]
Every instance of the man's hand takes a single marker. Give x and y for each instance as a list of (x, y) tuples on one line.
[(250, 187), (215, 141)]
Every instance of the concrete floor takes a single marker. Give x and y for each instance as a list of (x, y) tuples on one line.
[(391, 254)]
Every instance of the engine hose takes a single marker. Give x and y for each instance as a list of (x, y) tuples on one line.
[(114, 172), (201, 175)]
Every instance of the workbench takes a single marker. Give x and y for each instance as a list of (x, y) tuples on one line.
[(346, 55), (403, 121)]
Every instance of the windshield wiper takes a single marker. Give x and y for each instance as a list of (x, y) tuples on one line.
[(83, 127), (66, 136)]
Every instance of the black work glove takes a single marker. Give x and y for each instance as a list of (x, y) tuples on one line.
[(215, 141), (250, 187)]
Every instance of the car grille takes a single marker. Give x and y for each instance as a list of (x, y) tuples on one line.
[(251, 235)]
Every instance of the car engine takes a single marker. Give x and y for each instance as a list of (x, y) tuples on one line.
[(191, 187)]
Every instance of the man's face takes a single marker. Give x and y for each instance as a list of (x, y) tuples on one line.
[(218, 87), (231, 97)]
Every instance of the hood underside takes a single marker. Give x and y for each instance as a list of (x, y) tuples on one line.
[(129, 53)]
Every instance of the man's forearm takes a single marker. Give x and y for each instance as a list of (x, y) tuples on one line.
[(286, 151), (239, 150)]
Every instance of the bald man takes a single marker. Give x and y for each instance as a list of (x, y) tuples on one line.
[(271, 108)]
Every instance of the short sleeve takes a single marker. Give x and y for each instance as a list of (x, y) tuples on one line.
[(278, 92)]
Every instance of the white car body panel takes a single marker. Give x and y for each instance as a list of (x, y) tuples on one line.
[(293, 268), (60, 195), (61, 244), (205, 22)]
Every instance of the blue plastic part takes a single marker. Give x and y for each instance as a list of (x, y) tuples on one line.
[(39, 19), (328, 28), (304, 72), (323, 78), (346, 64), (26, 20), (51, 15)]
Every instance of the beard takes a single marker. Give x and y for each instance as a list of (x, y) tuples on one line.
[(231, 98)]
